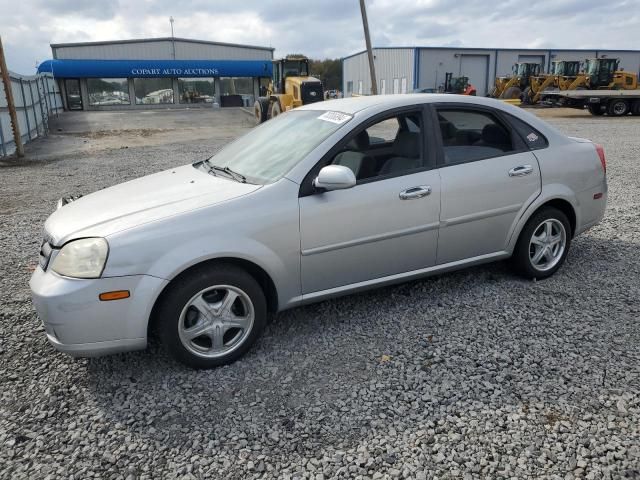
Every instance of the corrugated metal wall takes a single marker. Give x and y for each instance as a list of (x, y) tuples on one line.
[(35, 98), (160, 50), (394, 67)]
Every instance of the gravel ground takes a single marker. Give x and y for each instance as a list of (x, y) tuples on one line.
[(476, 374)]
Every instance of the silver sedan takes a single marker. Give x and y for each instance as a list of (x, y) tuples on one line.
[(327, 199)]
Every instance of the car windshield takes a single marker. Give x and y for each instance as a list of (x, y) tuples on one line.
[(269, 151)]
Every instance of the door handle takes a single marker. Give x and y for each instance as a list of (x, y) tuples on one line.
[(520, 171), (415, 192)]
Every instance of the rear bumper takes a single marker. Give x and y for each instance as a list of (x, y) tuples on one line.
[(592, 209), (79, 324)]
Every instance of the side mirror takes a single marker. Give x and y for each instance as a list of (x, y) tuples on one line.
[(335, 177)]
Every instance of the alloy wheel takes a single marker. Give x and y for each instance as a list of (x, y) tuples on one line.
[(216, 321), (547, 244)]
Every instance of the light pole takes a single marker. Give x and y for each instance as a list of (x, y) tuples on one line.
[(173, 43), (367, 39)]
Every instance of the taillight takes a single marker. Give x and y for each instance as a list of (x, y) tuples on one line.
[(603, 160)]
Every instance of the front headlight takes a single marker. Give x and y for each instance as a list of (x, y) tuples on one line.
[(84, 258)]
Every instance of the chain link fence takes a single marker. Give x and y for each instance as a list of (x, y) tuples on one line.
[(36, 98)]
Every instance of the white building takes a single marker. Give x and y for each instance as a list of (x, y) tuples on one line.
[(404, 69), (157, 72)]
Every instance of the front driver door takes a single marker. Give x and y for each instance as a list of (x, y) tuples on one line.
[(387, 224)]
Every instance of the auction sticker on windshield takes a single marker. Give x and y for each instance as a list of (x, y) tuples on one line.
[(335, 117)]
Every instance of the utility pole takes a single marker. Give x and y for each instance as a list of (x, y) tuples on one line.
[(367, 39), (6, 81), (173, 42)]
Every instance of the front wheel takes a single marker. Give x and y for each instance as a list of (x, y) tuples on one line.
[(596, 109), (275, 109), (543, 244), (212, 316)]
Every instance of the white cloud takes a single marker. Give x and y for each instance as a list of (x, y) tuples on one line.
[(320, 28)]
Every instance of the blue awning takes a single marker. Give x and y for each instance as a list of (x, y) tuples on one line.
[(156, 68)]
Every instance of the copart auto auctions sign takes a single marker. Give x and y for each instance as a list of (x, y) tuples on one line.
[(174, 71)]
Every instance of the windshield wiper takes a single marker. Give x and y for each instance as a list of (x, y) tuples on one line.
[(235, 175)]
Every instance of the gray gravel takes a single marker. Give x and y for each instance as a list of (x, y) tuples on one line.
[(476, 374)]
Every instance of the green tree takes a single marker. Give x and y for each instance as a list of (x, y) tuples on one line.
[(329, 71)]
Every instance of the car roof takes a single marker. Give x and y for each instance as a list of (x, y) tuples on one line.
[(376, 103), (353, 105)]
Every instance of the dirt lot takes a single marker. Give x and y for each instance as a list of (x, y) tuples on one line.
[(475, 374)]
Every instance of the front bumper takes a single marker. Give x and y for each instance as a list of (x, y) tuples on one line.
[(79, 324)]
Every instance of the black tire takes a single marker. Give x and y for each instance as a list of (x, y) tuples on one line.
[(521, 258), (178, 301), (635, 107), (260, 109), (512, 93), (618, 108), (527, 96), (275, 109), (596, 109)]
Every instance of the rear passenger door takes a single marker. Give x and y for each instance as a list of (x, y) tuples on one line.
[(488, 178)]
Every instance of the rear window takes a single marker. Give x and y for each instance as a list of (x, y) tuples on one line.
[(532, 137)]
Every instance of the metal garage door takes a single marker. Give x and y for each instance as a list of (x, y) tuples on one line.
[(475, 67)]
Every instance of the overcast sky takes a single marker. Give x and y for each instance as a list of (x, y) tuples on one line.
[(320, 28)]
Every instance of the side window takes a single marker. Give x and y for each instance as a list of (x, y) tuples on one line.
[(390, 147), (469, 135), (532, 137), (384, 132)]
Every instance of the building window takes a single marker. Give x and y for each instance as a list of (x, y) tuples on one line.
[(383, 86), (359, 87), (150, 91), (238, 90), (108, 91), (349, 88), (196, 90), (396, 86), (404, 85)]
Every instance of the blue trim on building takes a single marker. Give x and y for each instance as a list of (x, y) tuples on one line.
[(416, 68), (156, 68)]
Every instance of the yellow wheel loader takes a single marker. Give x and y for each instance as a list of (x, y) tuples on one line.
[(511, 87), (289, 87)]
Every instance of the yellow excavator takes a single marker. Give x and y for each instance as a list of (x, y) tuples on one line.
[(512, 86), (289, 87), (568, 74)]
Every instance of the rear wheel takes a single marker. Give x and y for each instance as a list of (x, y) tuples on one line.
[(543, 244), (212, 316), (275, 109), (618, 108), (596, 109)]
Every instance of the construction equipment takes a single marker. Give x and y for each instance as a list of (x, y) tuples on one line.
[(290, 86), (568, 75), (564, 75), (603, 73), (511, 87), (458, 85), (601, 88)]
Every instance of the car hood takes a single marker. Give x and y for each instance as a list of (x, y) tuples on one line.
[(139, 201)]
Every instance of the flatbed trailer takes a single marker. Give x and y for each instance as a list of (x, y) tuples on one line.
[(615, 103)]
